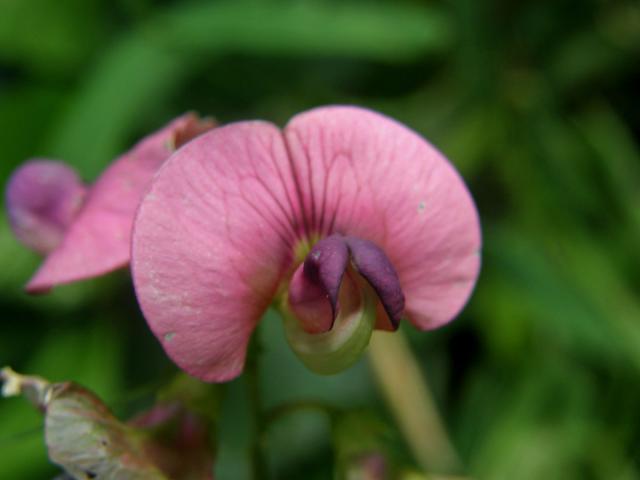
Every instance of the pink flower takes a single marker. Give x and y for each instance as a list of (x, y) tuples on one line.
[(86, 231), (343, 214)]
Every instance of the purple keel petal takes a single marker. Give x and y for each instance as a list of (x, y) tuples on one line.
[(372, 263), (212, 239), (98, 240), (43, 197), (364, 175), (315, 286)]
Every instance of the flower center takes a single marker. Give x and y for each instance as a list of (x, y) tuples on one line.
[(333, 301), (314, 292)]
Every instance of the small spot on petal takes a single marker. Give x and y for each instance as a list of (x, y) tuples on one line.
[(169, 336), (421, 207)]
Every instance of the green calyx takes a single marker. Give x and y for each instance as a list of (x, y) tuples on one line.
[(303, 247), (336, 350)]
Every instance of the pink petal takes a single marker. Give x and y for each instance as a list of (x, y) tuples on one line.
[(364, 175), (43, 197), (98, 240), (211, 241)]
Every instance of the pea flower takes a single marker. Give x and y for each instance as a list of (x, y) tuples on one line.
[(85, 231), (345, 221)]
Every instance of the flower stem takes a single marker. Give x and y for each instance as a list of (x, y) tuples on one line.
[(258, 459), (407, 394)]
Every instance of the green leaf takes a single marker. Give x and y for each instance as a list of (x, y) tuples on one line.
[(613, 146), (88, 354), (88, 441), (605, 51), (381, 31), (48, 36), (141, 69)]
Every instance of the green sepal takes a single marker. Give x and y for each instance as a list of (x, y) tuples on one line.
[(336, 350)]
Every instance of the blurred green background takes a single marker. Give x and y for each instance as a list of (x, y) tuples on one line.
[(535, 101)]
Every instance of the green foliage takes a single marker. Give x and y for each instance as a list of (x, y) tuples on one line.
[(536, 103)]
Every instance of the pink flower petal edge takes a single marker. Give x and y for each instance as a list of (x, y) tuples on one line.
[(98, 239), (216, 235)]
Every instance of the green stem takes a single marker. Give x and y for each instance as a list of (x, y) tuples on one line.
[(258, 459), (408, 396)]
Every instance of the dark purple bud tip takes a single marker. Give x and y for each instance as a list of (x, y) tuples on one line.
[(372, 263), (315, 286), (325, 266), (318, 280)]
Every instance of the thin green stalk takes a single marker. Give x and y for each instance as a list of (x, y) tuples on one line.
[(408, 396), (258, 459)]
